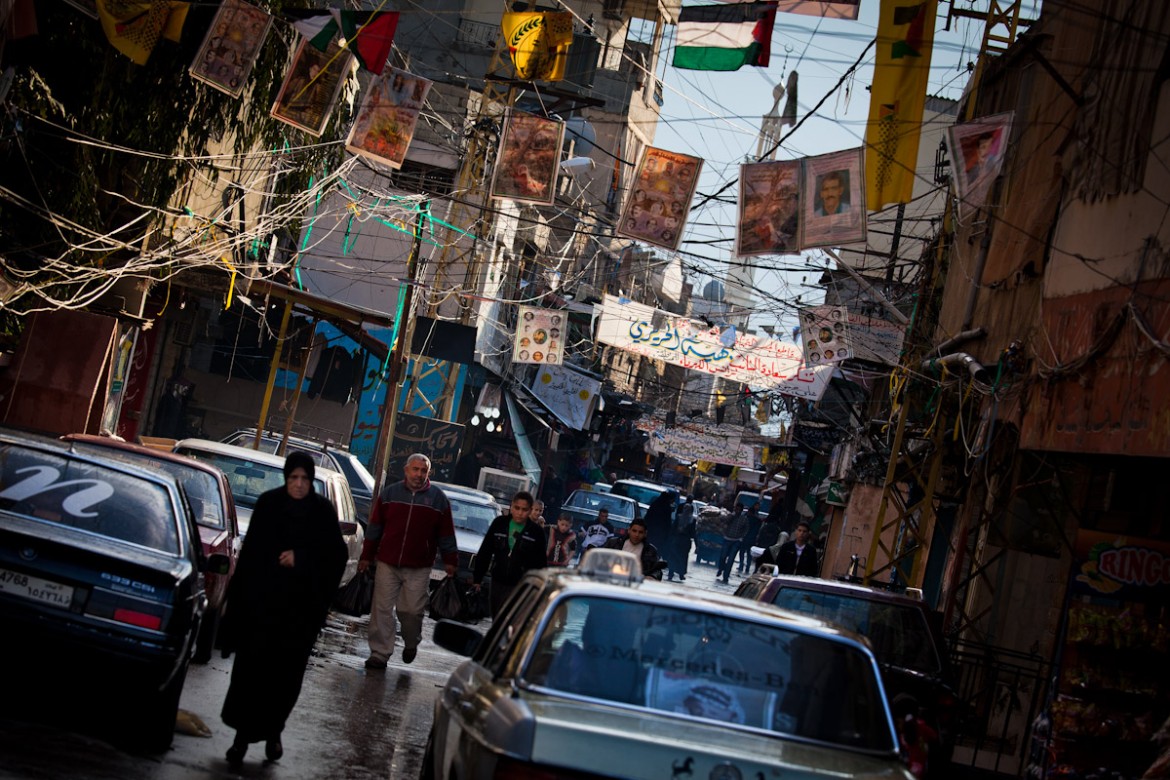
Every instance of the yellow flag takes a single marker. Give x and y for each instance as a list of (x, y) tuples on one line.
[(134, 26), (905, 37), (539, 43)]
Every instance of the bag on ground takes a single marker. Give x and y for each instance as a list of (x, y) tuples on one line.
[(357, 597)]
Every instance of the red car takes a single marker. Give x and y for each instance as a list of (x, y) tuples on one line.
[(210, 497)]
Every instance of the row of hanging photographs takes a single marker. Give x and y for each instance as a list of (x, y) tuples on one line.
[(784, 206)]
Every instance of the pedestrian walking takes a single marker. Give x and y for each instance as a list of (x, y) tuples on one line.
[(288, 572), (637, 542), (733, 533), (745, 549), (562, 542), (681, 537), (660, 517), (597, 533), (513, 545), (798, 556), (409, 523)]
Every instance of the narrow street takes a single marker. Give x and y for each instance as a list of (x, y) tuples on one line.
[(348, 722)]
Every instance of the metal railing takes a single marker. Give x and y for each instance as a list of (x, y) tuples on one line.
[(1000, 692)]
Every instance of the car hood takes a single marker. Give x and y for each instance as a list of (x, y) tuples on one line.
[(639, 745), (468, 541)]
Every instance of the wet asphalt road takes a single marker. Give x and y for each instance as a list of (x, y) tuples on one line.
[(348, 723)]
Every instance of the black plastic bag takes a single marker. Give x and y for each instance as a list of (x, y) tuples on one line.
[(357, 596), (448, 601)]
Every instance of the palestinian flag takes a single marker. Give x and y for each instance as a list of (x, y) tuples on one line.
[(724, 37), (368, 35)]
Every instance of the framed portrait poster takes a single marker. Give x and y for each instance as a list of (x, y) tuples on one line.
[(833, 211), (540, 336), (231, 46), (530, 152), (310, 89), (824, 335), (769, 209), (977, 149), (657, 208), (385, 123)]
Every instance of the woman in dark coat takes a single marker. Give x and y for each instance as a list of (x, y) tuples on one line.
[(288, 573), (659, 518)]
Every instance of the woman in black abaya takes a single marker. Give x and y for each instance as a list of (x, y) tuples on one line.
[(288, 572)]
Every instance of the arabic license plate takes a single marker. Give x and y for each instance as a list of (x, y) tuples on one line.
[(36, 589)]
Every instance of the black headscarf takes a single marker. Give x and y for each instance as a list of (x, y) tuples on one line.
[(299, 460)]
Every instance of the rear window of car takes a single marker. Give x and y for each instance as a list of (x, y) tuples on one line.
[(248, 479), (899, 634), (712, 667), (469, 515), (88, 497), (583, 499), (643, 495)]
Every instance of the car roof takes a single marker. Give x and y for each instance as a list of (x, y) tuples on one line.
[(645, 483), (230, 450), (477, 496), (846, 588), (106, 443), (293, 438)]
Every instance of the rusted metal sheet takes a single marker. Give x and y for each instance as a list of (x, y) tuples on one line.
[(57, 384), (1107, 390)]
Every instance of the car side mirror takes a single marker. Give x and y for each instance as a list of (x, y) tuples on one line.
[(459, 638), (217, 563)]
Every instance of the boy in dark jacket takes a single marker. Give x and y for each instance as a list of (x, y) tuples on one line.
[(513, 545)]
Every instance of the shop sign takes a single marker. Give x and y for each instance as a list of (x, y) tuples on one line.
[(1121, 566)]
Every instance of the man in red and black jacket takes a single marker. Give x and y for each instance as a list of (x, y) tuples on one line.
[(409, 522)]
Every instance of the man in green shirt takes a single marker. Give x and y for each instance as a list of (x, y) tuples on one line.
[(514, 544)]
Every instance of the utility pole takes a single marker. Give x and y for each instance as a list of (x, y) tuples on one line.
[(405, 328)]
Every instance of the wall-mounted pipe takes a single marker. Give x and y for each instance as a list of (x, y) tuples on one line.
[(959, 360)]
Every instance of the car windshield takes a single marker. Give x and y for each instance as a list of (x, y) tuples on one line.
[(640, 493), (470, 515), (583, 499), (247, 478), (899, 634), (713, 667), (88, 497)]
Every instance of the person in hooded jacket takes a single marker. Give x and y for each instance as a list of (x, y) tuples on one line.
[(288, 573)]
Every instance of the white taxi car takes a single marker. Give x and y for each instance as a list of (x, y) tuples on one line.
[(599, 673)]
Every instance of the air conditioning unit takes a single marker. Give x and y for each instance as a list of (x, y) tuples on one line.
[(503, 484)]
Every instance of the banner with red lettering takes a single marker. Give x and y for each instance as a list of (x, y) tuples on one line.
[(1121, 567)]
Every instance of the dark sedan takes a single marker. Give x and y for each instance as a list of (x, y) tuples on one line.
[(210, 496), (100, 589)]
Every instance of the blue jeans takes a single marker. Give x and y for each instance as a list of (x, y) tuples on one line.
[(727, 557)]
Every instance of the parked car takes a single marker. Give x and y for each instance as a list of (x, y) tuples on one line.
[(210, 498), (904, 632), (330, 456), (583, 505), (101, 593), (642, 491), (600, 672), (251, 473)]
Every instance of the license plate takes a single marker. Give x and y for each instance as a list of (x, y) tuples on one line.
[(36, 589)]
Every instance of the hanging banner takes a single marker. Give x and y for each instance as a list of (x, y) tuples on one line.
[(833, 212), (876, 340), (540, 336), (769, 209), (385, 124), (232, 44), (657, 208), (539, 43), (831, 9), (905, 37), (675, 339), (568, 394), (976, 151), (824, 335), (309, 92), (529, 156), (689, 442)]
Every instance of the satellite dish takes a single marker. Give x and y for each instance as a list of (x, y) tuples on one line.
[(579, 130)]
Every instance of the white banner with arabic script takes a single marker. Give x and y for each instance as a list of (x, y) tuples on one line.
[(689, 442), (567, 394), (676, 339)]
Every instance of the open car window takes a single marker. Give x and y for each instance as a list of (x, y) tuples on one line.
[(712, 667)]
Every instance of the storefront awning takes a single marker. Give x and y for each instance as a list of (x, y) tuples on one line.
[(347, 318)]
